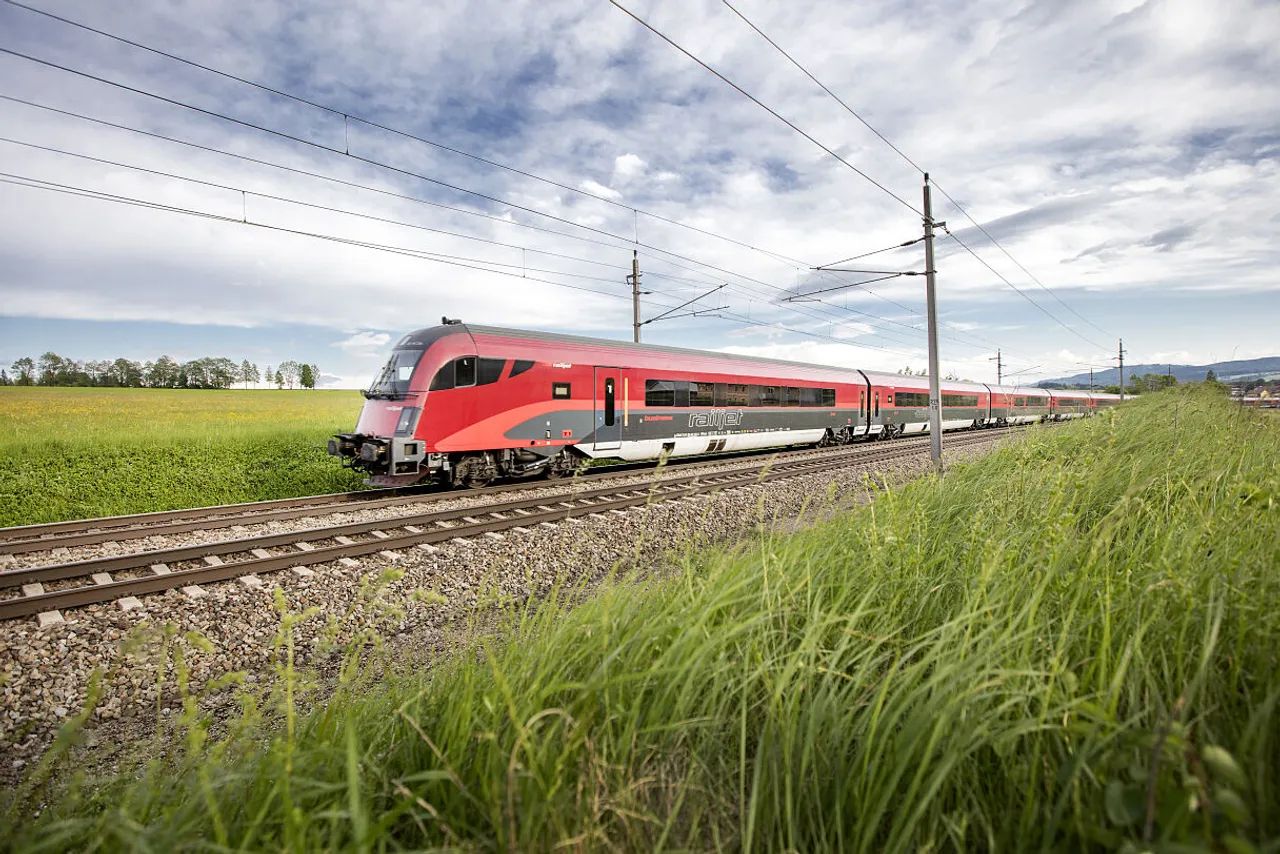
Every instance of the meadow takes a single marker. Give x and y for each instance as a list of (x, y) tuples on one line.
[(70, 453), (1068, 645)]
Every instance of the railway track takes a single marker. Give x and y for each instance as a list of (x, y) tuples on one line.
[(45, 537), (120, 577)]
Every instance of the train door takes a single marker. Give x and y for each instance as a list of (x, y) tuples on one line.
[(608, 436)]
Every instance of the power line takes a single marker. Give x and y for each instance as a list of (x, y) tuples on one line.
[(39, 184), (380, 191), (380, 164), (433, 143), (315, 206), (1023, 294), (914, 165), (376, 163), (766, 108), (367, 161)]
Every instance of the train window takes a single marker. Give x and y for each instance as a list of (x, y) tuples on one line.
[(959, 400), (561, 391), (828, 397), (489, 370), (769, 395), (810, 397), (659, 393), (736, 395), (791, 396), (916, 399), (701, 394), (877, 403), (521, 366), (682, 392), (862, 402), (464, 371), (443, 378), (610, 400), (1019, 401)]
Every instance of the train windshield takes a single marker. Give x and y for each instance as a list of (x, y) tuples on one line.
[(393, 381)]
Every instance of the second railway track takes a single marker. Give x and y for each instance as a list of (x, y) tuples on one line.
[(83, 532), (188, 567)]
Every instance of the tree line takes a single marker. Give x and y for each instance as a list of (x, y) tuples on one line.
[(165, 372)]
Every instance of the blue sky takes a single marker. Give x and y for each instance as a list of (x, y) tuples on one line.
[(1124, 152)]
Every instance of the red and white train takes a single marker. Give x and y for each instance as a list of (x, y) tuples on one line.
[(466, 404)]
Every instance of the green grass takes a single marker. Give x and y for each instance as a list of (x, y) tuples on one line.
[(1072, 644), (71, 453)]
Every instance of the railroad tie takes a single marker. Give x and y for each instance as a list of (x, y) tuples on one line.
[(521, 530), (213, 560), (391, 556), (33, 589), (101, 578), (159, 569), (305, 547), (192, 592), (428, 548), (302, 571), (413, 529), (253, 582), (261, 554), (48, 618), (471, 520), (348, 561), (493, 535), (381, 535), (129, 603), (344, 541)]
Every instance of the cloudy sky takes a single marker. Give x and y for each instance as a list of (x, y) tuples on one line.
[(1123, 152)]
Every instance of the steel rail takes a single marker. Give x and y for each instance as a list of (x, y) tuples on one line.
[(582, 504), (83, 532)]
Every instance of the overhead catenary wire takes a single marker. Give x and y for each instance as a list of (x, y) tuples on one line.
[(39, 184), (348, 116), (380, 164), (308, 173), (766, 108), (346, 152), (456, 261), (914, 165), (376, 163)]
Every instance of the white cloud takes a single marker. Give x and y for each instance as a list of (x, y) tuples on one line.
[(597, 189), (364, 343), (628, 166)]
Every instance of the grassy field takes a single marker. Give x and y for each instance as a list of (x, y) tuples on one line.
[(1070, 645), (70, 453)]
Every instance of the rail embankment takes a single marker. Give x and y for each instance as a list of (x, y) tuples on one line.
[(1070, 644)]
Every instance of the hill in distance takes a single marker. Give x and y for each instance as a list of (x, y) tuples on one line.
[(1241, 369)]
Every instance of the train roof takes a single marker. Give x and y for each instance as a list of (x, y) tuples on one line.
[(423, 338)]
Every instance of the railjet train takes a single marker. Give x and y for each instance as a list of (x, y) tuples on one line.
[(465, 405)]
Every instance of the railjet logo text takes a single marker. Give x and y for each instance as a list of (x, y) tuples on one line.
[(716, 419)]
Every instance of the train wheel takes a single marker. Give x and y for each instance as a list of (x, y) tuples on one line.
[(474, 471)]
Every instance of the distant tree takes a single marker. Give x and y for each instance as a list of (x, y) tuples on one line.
[(1112, 389), (4, 377), (1210, 376), (246, 373), (51, 367), (254, 374), (315, 374), (306, 377), (164, 373), (290, 371), (125, 373), (24, 370), (278, 379)]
